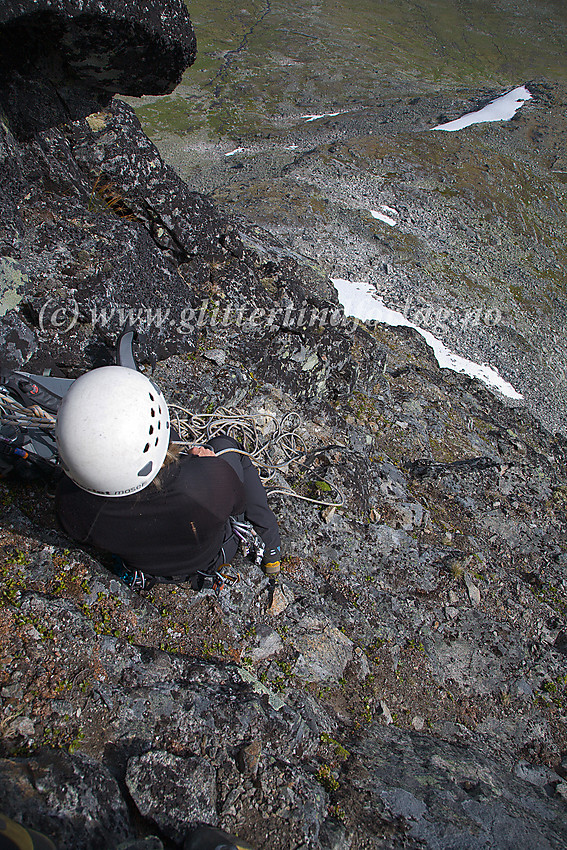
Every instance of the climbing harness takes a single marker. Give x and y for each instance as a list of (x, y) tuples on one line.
[(251, 543), (253, 547), (217, 580)]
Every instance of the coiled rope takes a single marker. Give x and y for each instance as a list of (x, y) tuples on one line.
[(16, 414), (272, 444)]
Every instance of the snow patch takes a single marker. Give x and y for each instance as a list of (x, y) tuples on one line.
[(309, 118), (501, 109), (387, 219), (360, 300)]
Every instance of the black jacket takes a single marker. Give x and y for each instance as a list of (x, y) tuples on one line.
[(174, 530)]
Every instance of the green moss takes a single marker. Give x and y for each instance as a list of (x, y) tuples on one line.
[(554, 691), (341, 752), (551, 596), (326, 778)]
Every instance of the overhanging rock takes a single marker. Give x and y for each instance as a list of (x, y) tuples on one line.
[(62, 59)]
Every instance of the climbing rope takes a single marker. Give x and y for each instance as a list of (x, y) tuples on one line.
[(272, 444), (16, 414)]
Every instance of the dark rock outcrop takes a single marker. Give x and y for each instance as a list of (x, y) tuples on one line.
[(98, 230), (452, 796), (72, 798), (62, 59)]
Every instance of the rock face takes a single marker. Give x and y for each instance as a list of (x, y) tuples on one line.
[(407, 687), (61, 59), (173, 791), (450, 796), (73, 799)]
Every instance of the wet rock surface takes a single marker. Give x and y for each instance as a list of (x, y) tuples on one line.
[(407, 686)]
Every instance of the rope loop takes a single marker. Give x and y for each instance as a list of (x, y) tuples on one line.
[(271, 443)]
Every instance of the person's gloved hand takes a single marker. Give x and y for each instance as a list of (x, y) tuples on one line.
[(271, 563), (272, 569)]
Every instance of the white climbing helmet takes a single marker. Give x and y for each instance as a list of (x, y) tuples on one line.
[(112, 431)]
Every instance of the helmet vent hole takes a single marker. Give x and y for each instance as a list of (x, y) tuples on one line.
[(167, 424), (146, 448), (159, 425), (153, 412), (151, 396), (151, 429), (145, 470), (157, 441)]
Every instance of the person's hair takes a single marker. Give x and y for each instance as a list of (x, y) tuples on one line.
[(172, 456)]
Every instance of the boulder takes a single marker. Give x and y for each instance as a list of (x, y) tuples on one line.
[(63, 59), (173, 792), (73, 799)]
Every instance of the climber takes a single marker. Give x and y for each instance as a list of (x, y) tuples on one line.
[(128, 491)]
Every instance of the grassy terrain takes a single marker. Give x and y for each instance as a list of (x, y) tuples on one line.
[(260, 63)]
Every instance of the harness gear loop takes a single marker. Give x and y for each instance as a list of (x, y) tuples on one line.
[(217, 580)]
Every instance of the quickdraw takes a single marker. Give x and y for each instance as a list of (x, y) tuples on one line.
[(251, 543)]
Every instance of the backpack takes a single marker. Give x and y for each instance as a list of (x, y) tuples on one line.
[(28, 410)]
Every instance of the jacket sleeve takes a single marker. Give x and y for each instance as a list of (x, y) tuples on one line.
[(256, 508), (258, 512)]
